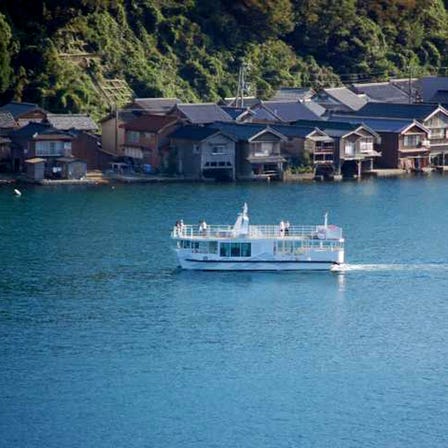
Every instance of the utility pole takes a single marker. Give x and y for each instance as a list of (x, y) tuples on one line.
[(410, 83), (242, 86)]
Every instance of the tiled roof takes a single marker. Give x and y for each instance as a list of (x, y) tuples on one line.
[(389, 110), (18, 109), (65, 122), (294, 131), (262, 113), (327, 124), (382, 92), (315, 108), (149, 123), (195, 133), (290, 111), (430, 85), (203, 113), (236, 112), (346, 97), (440, 97), (293, 94), (378, 124), (243, 131), (156, 105), (7, 120), (248, 101), (33, 130)]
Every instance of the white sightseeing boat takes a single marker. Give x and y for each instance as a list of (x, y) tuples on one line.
[(245, 247)]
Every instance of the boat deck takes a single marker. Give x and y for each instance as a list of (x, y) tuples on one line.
[(217, 232)]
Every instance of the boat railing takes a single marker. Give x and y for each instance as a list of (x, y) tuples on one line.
[(257, 232)]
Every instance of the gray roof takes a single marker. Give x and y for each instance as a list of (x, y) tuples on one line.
[(378, 124), (384, 92), (293, 94), (203, 113), (243, 131), (156, 105), (289, 111), (194, 133), (262, 113), (236, 112), (315, 107), (66, 122), (248, 101), (7, 120), (390, 110), (430, 86), (294, 131), (18, 109), (346, 97)]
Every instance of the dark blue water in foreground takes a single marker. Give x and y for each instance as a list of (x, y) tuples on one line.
[(103, 342)]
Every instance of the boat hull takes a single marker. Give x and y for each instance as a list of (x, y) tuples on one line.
[(209, 265)]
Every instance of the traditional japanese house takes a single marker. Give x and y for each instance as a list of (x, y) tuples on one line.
[(146, 142), (434, 118), (204, 153), (308, 146), (258, 150), (404, 143), (356, 146)]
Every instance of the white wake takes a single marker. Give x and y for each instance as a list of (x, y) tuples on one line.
[(391, 267)]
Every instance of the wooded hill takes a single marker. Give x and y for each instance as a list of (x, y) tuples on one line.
[(82, 55)]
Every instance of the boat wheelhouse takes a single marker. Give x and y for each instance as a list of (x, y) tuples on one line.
[(243, 246)]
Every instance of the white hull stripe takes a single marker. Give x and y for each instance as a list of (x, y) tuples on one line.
[(264, 261)]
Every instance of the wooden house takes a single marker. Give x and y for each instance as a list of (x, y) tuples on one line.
[(258, 150), (404, 143), (146, 141), (204, 153), (308, 146), (24, 113), (355, 146), (39, 140), (35, 168), (432, 117)]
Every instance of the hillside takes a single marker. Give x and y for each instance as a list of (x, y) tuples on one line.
[(90, 55)]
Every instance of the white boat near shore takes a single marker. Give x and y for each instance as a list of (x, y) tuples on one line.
[(246, 247)]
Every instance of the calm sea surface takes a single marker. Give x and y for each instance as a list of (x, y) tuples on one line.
[(105, 343)]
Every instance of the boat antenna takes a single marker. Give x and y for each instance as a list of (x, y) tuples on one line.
[(326, 219)]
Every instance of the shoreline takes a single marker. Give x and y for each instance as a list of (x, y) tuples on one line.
[(97, 179)]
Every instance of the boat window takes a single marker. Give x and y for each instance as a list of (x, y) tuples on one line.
[(186, 244), (245, 249), (224, 250), (213, 247), (235, 249)]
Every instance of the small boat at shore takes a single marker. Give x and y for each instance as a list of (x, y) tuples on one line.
[(246, 247)]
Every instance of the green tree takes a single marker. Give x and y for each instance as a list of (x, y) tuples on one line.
[(5, 56)]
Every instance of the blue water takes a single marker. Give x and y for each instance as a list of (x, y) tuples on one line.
[(104, 342)]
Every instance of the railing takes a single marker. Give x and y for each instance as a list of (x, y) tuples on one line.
[(258, 232)]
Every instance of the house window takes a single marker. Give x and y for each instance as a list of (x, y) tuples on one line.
[(218, 150), (437, 133), (133, 136), (263, 149), (412, 141), (49, 148), (366, 145), (349, 148)]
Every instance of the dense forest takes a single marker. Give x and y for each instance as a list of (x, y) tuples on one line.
[(60, 54)]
